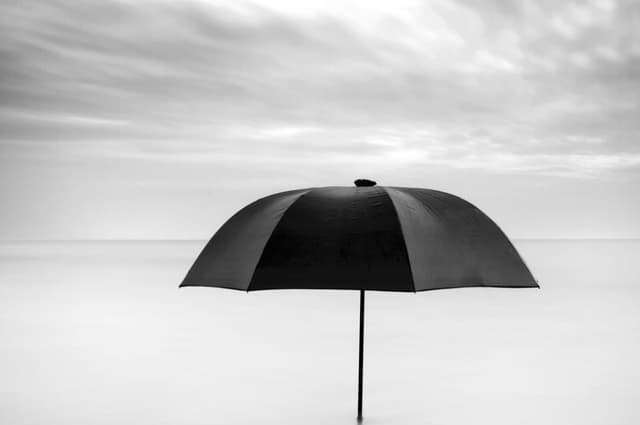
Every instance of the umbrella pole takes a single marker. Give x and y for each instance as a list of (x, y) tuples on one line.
[(360, 355)]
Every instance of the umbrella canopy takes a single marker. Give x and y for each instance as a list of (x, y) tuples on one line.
[(364, 237)]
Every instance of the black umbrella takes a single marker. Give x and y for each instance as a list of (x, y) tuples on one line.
[(361, 238)]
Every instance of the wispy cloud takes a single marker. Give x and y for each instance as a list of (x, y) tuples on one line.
[(484, 79)]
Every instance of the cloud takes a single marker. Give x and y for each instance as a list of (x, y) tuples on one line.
[(498, 85)]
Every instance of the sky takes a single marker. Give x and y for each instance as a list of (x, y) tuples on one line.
[(157, 119)]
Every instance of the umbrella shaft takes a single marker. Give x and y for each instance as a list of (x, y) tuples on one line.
[(360, 355)]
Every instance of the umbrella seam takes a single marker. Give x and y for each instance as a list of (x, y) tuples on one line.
[(304, 192), (402, 230)]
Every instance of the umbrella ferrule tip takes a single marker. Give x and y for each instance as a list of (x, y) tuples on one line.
[(364, 182)]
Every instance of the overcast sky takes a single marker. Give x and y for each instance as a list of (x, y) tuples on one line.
[(156, 119)]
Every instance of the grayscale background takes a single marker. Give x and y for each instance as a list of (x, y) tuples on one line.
[(131, 130)]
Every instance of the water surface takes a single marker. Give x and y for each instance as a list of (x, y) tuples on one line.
[(98, 333)]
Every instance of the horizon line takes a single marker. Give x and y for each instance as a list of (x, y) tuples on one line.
[(206, 240)]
